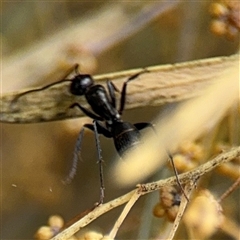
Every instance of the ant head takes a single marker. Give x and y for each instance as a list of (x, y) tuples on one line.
[(80, 84)]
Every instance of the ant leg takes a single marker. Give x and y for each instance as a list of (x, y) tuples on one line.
[(124, 89), (98, 128), (100, 162), (112, 89), (176, 174), (101, 129), (87, 112), (76, 155)]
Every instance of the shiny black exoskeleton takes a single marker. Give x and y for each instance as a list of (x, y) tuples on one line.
[(107, 118)]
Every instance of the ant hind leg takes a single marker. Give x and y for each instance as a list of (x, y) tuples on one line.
[(76, 158), (100, 162)]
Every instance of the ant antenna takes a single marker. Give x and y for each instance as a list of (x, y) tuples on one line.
[(74, 67), (176, 174)]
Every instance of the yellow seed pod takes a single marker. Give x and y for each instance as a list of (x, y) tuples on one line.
[(218, 10), (44, 233), (56, 221), (172, 212), (192, 150), (183, 163), (218, 27), (158, 210)]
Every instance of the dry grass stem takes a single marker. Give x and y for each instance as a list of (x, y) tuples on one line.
[(230, 190), (162, 84), (124, 213)]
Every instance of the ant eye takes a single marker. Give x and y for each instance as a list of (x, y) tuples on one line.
[(80, 84)]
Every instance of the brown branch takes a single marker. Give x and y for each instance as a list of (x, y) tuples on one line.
[(190, 176), (162, 84)]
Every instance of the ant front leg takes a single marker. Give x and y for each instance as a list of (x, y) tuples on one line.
[(112, 89), (124, 89)]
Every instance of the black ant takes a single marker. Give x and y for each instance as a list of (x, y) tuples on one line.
[(106, 118)]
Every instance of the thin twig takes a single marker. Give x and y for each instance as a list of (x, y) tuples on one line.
[(147, 188), (188, 190), (124, 213), (230, 190), (161, 84)]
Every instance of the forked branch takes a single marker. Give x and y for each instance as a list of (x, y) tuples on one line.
[(185, 178)]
